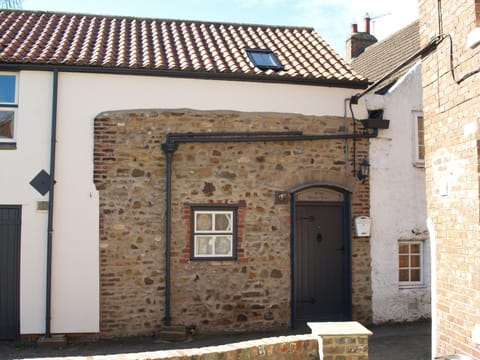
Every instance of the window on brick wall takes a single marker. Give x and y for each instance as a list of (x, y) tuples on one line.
[(477, 12), (214, 233), (8, 107), (410, 263), (419, 151)]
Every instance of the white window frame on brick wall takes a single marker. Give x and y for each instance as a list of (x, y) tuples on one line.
[(8, 107), (410, 266), (419, 140), (211, 241)]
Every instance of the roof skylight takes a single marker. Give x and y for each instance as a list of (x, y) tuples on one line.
[(264, 59)]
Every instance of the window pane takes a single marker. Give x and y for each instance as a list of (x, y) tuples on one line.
[(420, 138), (403, 261), (415, 248), (6, 124), (223, 245), (264, 59), (204, 222), (223, 222), (415, 275), (7, 89), (403, 275), (203, 245), (403, 248), (420, 122), (421, 152), (415, 261)]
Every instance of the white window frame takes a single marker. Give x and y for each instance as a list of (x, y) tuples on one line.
[(421, 267), (214, 234), (417, 161), (12, 107)]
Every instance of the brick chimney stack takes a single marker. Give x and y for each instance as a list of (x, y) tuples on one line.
[(357, 42), (367, 24)]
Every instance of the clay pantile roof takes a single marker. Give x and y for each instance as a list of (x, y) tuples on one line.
[(380, 58), (168, 47)]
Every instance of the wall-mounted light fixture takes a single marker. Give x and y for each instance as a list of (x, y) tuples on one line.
[(281, 197), (375, 120), (363, 169)]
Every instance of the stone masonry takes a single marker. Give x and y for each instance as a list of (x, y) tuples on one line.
[(452, 138), (252, 292)]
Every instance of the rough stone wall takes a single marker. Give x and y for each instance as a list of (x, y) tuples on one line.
[(452, 138), (250, 293)]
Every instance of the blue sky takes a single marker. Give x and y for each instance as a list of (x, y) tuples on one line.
[(332, 19)]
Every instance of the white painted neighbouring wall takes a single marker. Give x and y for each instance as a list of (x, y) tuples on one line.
[(397, 202), (81, 97)]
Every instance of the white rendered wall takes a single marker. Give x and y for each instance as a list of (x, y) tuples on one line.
[(398, 204), (81, 97), (19, 167)]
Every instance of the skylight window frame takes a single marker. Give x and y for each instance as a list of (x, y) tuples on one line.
[(273, 64)]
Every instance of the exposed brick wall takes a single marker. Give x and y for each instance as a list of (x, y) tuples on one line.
[(451, 136), (251, 293), (351, 347)]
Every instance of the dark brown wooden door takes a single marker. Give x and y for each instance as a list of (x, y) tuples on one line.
[(319, 266), (9, 271)]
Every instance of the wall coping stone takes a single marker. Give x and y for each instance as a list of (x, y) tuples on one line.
[(343, 328)]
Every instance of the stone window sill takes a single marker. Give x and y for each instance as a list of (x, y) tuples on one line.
[(411, 286)]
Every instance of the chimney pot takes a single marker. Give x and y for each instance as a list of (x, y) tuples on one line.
[(354, 28), (367, 24)]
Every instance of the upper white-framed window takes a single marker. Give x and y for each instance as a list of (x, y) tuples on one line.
[(213, 233), (410, 263), (419, 139), (8, 107)]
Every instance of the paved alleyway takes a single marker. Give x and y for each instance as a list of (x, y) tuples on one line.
[(389, 342)]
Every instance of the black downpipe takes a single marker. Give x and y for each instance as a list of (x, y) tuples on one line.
[(293, 294), (171, 143), (53, 140), (169, 149)]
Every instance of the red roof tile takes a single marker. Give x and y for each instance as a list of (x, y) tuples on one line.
[(171, 46)]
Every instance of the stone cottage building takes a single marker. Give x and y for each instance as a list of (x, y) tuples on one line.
[(168, 172), (400, 246)]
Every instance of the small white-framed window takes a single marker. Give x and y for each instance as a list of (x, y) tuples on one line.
[(213, 233), (410, 263), (8, 107), (419, 136)]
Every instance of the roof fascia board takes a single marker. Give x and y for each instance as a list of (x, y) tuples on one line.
[(186, 74)]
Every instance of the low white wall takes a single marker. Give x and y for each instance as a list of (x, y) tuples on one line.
[(398, 203), (81, 97)]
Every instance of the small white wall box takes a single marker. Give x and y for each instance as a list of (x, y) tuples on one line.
[(362, 226)]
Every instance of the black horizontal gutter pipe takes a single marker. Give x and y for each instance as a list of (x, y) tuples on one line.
[(189, 139), (171, 145)]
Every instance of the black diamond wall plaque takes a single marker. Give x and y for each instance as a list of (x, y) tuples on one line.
[(41, 182)]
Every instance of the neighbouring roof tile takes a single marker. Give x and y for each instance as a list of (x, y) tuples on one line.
[(380, 58), (172, 46)]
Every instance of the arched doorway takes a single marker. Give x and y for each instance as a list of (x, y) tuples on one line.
[(321, 260)]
